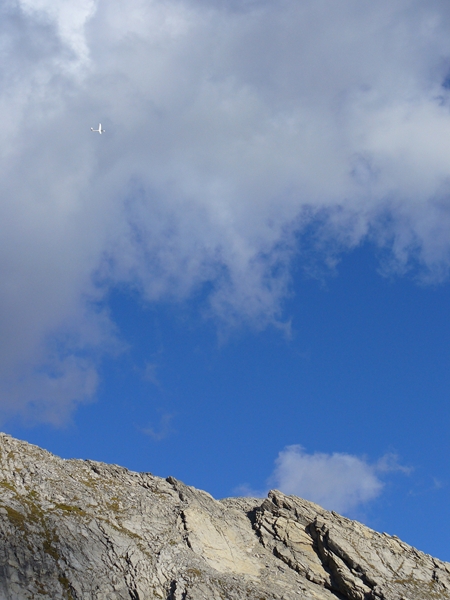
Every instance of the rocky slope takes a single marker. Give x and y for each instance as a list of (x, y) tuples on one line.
[(78, 529)]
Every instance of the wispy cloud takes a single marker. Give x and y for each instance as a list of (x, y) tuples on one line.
[(249, 492), (229, 129), (150, 373), (438, 484), (389, 463), (162, 430)]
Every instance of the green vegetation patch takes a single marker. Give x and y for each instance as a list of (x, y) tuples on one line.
[(16, 518), (114, 504), (66, 586), (8, 486), (193, 572), (430, 590), (70, 509), (49, 549)]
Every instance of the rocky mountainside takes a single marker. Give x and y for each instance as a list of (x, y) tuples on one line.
[(79, 529)]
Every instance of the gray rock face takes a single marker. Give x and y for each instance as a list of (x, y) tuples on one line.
[(83, 530)]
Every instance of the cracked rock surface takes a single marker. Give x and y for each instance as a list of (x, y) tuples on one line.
[(83, 530)]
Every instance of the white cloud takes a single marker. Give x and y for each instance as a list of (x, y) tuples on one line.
[(337, 481), (341, 482), (229, 126)]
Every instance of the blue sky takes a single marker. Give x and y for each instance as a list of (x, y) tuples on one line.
[(244, 282), (364, 371)]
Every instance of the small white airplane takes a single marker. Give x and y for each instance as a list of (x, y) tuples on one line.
[(99, 130)]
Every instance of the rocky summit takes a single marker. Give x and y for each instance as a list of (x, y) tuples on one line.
[(79, 529)]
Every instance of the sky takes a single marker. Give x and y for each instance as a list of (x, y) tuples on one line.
[(244, 282)]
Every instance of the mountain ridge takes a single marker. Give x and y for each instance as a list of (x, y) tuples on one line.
[(80, 529)]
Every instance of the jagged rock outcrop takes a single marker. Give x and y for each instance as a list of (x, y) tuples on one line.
[(85, 530)]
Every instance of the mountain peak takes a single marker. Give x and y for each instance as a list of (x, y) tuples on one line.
[(80, 529)]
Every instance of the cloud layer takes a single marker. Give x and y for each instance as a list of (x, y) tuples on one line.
[(229, 128)]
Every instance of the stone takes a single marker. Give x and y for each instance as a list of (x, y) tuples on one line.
[(83, 530)]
